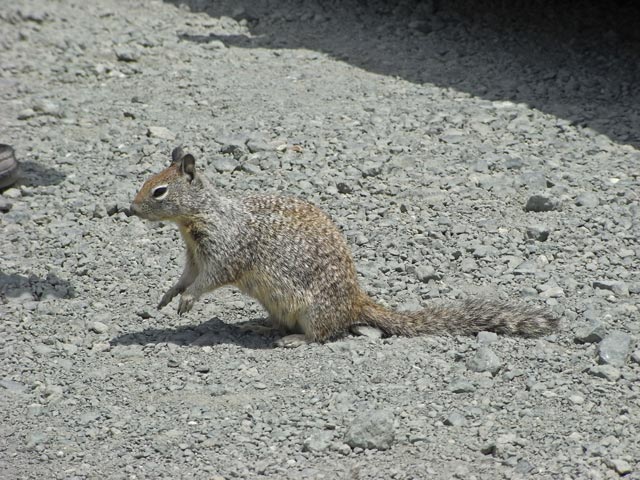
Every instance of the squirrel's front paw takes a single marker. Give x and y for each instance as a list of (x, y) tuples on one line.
[(166, 298), (186, 303)]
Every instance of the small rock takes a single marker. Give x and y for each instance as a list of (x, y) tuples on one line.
[(576, 399), (26, 114), (235, 145), (541, 203), (527, 267), (344, 188), (486, 337), (160, 132), (12, 193), (112, 209), (5, 205), (552, 292), (461, 386), (614, 348), (42, 349), (622, 467), (173, 363), (370, 169), (98, 327), (225, 164), (101, 347), (126, 54), (47, 107), (99, 211), (374, 429), (523, 467), (424, 273), (635, 357), (318, 441), (13, 386), (534, 180), (605, 371), (483, 251), (484, 360), (538, 233), (37, 16), (587, 199), (367, 331), (619, 288), (130, 352), (455, 419), (258, 145), (594, 332), (88, 417), (36, 438)]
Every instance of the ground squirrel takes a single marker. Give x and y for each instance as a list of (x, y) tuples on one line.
[(292, 258)]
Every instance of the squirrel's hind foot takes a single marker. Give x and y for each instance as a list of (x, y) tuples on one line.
[(292, 341)]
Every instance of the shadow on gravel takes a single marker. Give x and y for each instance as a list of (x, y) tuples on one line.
[(15, 286), (35, 175), (213, 332), (574, 59)]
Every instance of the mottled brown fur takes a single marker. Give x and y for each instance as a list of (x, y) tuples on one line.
[(292, 258)]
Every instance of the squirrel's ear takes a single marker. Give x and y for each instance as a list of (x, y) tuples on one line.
[(177, 155), (188, 164)]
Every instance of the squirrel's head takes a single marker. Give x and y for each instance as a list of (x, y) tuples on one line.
[(172, 193)]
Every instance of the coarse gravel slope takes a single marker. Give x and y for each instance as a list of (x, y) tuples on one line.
[(466, 149)]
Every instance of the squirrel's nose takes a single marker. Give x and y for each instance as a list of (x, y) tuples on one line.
[(134, 210)]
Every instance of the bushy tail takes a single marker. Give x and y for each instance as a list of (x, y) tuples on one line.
[(466, 318)]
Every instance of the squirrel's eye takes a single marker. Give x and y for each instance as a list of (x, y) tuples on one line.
[(159, 192)]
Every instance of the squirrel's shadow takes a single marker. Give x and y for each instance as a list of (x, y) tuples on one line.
[(212, 332)]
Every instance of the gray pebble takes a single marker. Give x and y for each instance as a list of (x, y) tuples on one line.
[(424, 273), (100, 211), (484, 360), (344, 188), (605, 371), (42, 349), (482, 251), (225, 164), (594, 332), (26, 113), (367, 331), (98, 327), (13, 386), (614, 348), (160, 132), (635, 357), (127, 54), (486, 337), (47, 107), (5, 205), (621, 466), (455, 419), (542, 203), (617, 287), (534, 180), (258, 145), (461, 386), (587, 199), (372, 430), (552, 292), (539, 233), (319, 441), (12, 193)]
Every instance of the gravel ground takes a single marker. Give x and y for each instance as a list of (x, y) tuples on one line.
[(473, 150)]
